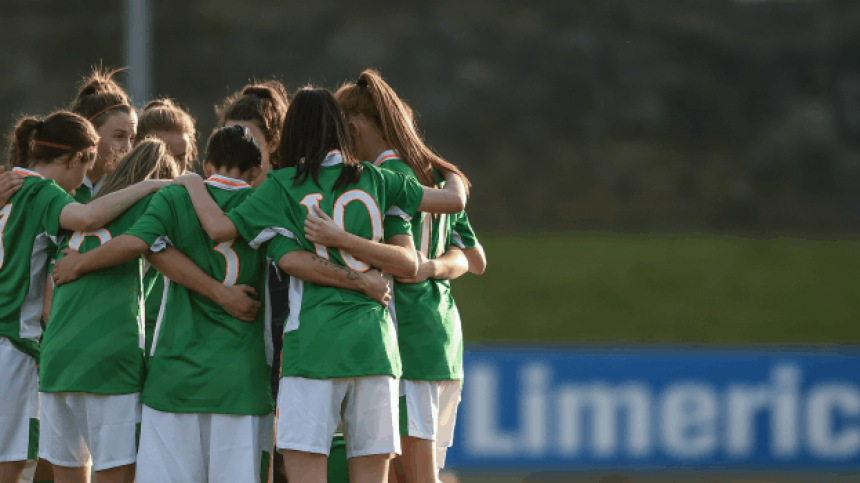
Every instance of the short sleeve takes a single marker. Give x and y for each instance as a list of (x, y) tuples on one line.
[(394, 225), (462, 233), (51, 200), (158, 220), (279, 246), (262, 215), (402, 192)]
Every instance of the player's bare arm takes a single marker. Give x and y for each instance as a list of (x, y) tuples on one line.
[(98, 213), (315, 269), (10, 183), (449, 200), (213, 220), (115, 252), (396, 256), (453, 264), (236, 300), (477, 259)]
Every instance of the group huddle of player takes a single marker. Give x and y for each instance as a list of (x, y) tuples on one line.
[(138, 300)]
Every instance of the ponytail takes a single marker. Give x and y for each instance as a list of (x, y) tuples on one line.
[(149, 159), (265, 104), (99, 96), (374, 99), (35, 141)]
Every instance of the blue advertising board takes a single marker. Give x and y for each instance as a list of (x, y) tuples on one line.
[(574, 408)]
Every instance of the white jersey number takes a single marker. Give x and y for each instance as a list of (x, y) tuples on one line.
[(4, 217), (339, 209), (77, 239), (232, 271)]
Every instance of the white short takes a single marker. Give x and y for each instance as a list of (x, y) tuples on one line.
[(19, 404), (77, 426), (428, 409), (203, 447), (449, 401), (309, 411)]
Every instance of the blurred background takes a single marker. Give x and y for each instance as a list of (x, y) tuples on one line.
[(650, 179)]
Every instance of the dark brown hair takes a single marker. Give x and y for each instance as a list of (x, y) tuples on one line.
[(35, 141), (233, 147), (265, 104), (374, 99), (149, 159), (315, 126), (100, 96), (165, 115)]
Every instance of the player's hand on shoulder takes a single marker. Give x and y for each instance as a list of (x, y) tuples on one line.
[(10, 183), (186, 179), (67, 269), (238, 301), (376, 286), (321, 229)]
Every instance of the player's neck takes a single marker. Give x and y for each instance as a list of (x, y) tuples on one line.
[(95, 174), (375, 149), (233, 173), (49, 170)]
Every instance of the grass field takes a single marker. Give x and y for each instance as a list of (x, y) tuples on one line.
[(599, 287)]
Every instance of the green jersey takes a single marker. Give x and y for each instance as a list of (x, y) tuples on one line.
[(428, 323), (94, 340), (28, 222), (330, 332), (87, 190), (203, 360)]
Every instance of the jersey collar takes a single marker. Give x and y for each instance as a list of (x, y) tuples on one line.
[(94, 188), (332, 158), (27, 172), (226, 183), (385, 156)]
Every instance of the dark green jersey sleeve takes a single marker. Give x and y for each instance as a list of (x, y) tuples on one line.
[(50, 202), (280, 246), (395, 225), (262, 215), (462, 234), (158, 220), (402, 192)]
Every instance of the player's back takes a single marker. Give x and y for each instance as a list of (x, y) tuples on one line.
[(203, 359), (28, 222)]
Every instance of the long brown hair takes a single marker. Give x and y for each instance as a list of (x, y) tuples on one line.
[(374, 99), (263, 103), (165, 115), (99, 96), (35, 141), (149, 159)]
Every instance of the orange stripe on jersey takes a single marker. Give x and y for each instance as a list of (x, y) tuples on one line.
[(226, 182), (386, 158), (27, 172)]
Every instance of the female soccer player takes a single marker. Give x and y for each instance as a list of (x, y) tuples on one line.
[(340, 357), (163, 119), (92, 369), (428, 324), (261, 108), (198, 345), (58, 152), (105, 104)]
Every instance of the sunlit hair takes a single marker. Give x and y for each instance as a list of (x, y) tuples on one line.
[(374, 99), (165, 116), (150, 159), (34, 141), (265, 104), (100, 96), (315, 126)]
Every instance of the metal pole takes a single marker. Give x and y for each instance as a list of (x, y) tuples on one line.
[(137, 20)]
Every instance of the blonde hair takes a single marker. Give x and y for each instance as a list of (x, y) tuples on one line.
[(149, 159)]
